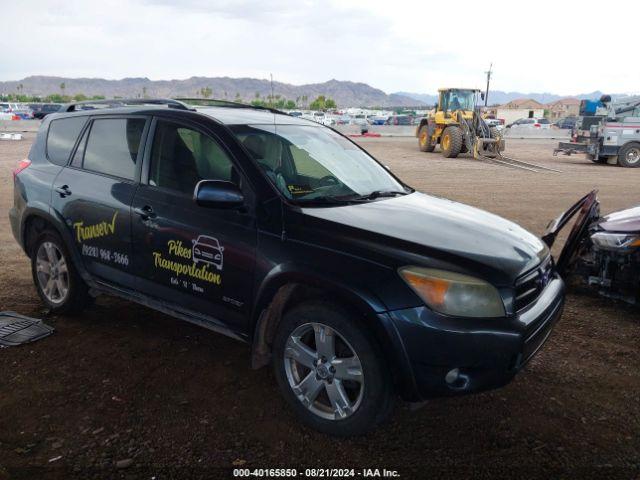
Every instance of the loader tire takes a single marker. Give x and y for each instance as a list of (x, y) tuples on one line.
[(424, 139), (451, 142)]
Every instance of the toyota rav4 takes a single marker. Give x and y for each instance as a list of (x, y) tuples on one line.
[(354, 286)]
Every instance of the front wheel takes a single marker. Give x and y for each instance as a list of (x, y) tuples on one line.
[(58, 283), (331, 371), (451, 142)]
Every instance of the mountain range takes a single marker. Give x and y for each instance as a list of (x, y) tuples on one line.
[(345, 93)]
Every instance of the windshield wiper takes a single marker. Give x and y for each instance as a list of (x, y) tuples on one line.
[(380, 194)]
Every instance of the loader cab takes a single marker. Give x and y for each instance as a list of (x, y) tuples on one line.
[(454, 99)]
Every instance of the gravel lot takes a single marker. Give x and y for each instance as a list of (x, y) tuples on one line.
[(125, 392)]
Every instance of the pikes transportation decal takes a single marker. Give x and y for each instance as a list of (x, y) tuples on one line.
[(204, 256)]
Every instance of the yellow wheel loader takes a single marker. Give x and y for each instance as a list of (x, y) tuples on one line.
[(457, 126)]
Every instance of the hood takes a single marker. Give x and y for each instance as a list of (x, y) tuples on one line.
[(443, 228), (627, 221)]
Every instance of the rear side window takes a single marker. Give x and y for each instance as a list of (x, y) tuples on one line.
[(62, 136), (112, 146)]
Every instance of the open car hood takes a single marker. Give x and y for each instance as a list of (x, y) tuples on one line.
[(587, 210)]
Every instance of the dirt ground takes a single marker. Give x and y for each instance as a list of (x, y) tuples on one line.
[(125, 392)]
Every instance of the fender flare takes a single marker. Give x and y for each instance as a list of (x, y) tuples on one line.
[(280, 285), (41, 210)]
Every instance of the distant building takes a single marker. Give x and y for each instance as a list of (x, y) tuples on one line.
[(565, 107), (519, 108)]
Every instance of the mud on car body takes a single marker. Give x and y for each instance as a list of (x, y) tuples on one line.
[(351, 284)]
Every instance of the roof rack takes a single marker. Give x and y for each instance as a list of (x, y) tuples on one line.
[(214, 102), (123, 102)]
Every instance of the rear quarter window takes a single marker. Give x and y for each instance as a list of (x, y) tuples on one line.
[(112, 146), (62, 136)]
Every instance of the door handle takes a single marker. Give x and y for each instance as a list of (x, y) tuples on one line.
[(145, 212), (63, 191)]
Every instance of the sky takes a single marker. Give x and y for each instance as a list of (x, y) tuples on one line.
[(562, 47)]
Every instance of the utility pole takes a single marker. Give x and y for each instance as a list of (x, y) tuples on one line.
[(486, 94)]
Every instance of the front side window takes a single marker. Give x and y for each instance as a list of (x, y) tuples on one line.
[(112, 146), (308, 163), (181, 157), (61, 138)]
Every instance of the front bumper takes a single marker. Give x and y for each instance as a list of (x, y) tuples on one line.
[(451, 356)]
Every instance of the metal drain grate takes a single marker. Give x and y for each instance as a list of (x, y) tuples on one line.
[(16, 329)]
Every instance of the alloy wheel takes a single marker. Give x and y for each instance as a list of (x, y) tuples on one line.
[(52, 273), (324, 371), (633, 156)]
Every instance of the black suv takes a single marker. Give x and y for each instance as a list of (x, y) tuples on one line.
[(286, 235)]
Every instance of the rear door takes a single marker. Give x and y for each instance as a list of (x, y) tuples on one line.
[(94, 192), (195, 258)]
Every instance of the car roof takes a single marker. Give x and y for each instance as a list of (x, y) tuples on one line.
[(225, 115), (251, 116)]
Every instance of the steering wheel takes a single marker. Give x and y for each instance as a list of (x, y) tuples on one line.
[(329, 180)]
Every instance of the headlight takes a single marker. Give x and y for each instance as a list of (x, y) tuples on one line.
[(453, 293), (615, 241)]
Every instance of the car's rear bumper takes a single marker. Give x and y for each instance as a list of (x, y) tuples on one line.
[(450, 356)]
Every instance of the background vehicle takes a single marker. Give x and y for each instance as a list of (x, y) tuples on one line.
[(567, 123), (603, 252), (457, 127), (400, 120), (41, 110), (530, 123), (607, 132)]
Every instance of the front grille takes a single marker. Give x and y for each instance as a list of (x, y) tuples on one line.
[(531, 284)]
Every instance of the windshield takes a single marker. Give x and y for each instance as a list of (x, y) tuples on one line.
[(458, 100), (310, 164)]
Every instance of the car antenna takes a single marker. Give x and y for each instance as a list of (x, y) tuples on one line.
[(283, 235)]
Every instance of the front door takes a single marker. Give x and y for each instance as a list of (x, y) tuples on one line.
[(94, 194), (194, 258)]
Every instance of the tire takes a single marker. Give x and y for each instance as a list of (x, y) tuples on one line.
[(629, 155), (50, 251), (424, 140), (451, 142), (369, 398)]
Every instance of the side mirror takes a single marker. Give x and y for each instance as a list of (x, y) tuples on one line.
[(218, 194), (482, 95)]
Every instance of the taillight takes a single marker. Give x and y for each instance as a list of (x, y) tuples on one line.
[(21, 166), (537, 125)]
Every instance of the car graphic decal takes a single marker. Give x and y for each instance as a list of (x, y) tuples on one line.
[(202, 261)]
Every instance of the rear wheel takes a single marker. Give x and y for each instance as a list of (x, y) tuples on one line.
[(331, 371), (58, 283), (424, 139), (629, 155), (451, 142)]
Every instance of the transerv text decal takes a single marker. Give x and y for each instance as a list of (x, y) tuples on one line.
[(97, 230)]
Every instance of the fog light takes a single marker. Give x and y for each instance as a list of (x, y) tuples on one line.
[(452, 376)]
